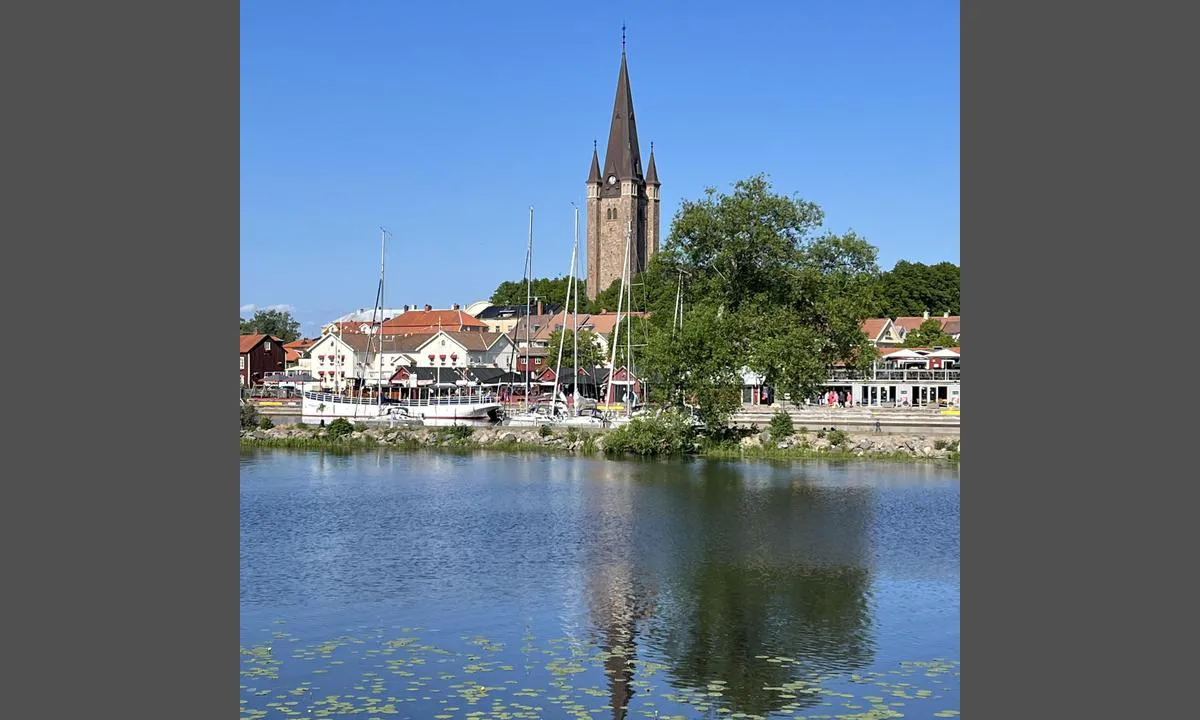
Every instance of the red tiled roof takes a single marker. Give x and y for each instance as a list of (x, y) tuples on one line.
[(432, 319), (249, 342), (873, 327), (910, 323)]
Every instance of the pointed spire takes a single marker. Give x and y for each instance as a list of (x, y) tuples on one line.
[(623, 158), (652, 171), (594, 175)]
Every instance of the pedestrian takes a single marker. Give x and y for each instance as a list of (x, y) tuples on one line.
[(877, 426)]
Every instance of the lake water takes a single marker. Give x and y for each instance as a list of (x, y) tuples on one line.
[(534, 586)]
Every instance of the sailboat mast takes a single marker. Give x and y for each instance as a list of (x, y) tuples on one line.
[(528, 299), (562, 335), (575, 312), (382, 305), (628, 325), (612, 371)]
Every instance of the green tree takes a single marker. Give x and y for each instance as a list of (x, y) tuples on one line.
[(910, 289), (278, 323), (590, 353), (635, 332), (929, 334), (551, 291), (766, 289), (607, 298)]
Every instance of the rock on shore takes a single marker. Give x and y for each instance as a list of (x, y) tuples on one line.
[(863, 444)]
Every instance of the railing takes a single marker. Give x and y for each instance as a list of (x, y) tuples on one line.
[(421, 402), (898, 375)]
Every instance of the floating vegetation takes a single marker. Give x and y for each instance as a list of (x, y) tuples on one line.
[(472, 677)]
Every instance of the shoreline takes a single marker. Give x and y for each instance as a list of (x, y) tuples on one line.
[(800, 446)]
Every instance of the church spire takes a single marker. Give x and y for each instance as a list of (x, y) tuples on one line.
[(651, 171), (594, 175), (623, 158)]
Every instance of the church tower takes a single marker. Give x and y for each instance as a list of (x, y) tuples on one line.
[(618, 195)]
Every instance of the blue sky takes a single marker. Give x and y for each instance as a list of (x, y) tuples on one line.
[(445, 122)]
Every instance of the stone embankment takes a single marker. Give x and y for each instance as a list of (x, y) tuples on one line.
[(810, 444)]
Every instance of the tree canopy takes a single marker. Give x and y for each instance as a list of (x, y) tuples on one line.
[(590, 353), (929, 334), (910, 289), (764, 288), (278, 323), (551, 291)]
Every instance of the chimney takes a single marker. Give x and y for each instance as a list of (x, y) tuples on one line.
[(430, 307), (405, 308), (926, 316), (539, 307), (455, 306)]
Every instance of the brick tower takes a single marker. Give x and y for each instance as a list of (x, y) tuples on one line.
[(618, 195)]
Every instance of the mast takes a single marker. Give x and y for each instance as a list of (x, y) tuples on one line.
[(528, 299), (566, 307), (382, 304), (612, 371), (575, 312), (628, 287)]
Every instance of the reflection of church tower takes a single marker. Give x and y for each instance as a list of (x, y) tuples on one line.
[(615, 601), (619, 196)]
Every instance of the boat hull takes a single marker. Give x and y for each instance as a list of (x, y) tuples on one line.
[(316, 407)]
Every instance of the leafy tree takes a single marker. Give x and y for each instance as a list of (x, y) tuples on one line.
[(910, 289), (590, 353), (278, 323), (551, 291), (634, 332), (929, 334), (765, 289), (608, 298)]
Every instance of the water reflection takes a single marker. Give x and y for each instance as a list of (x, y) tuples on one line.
[(751, 565), (704, 572), (616, 601)]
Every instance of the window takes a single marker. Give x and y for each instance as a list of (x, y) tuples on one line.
[(242, 364), (267, 345)]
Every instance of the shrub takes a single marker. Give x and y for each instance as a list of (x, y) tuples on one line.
[(456, 432), (249, 416), (837, 437), (821, 433), (301, 426), (339, 427), (266, 423), (589, 444), (545, 431), (572, 434), (781, 425), (940, 444), (803, 430), (667, 434), (361, 427)]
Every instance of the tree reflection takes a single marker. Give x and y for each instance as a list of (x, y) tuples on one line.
[(753, 562)]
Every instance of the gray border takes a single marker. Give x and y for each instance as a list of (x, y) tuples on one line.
[(122, 260), (1060, 203)]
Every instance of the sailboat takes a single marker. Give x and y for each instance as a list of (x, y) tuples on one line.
[(621, 413), (317, 407), (529, 416), (573, 414)]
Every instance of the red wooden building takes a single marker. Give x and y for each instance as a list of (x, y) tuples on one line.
[(260, 354)]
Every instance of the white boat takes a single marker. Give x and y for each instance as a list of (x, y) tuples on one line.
[(432, 411), (535, 416)]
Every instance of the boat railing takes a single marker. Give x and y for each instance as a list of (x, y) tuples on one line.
[(419, 402)]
